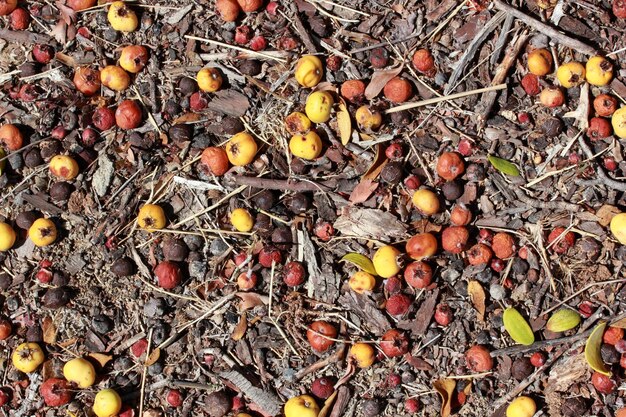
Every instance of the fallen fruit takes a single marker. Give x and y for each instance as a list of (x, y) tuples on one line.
[(78, 5), (55, 392), (602, 383), (227, 9), (128, 115), (530, 84), (11, 136), (134, 58), (394, 343), (385, 261), (7, 6), (151, 217), (552, 96), (216, 160), (479, 359), (174, 398), (424, 62), (242, 220), (412, 405), (323, 387), (270, 255), (538, 359), (19, 19), (318, 106), (301, 406), (599, 128), (605, 105), (362, 281), (363, 354), (566, 240), (297, 123), (309, 71), (320, 335), (379, 58), (107, 403), (121, 17), (103, 118), (241, 149), (398, 304), (618, 227), (443, 314), (522, 406), (421, 246), (27, 357), (307, 146), (418, 274), (618, 120), (454, 239), (43, 232), (460, 215), (115, 78), (426, 201), (612, 335), (168, 275), (64, 167), (7, 237), (571, 74), (80, 371), (294, 274), (247, 280), (540, 62), (599, 71), (87, 80), (353, 91), (6, 328), (368, 119), (209, 79), (503, 245), (450, 165), (619, 10), (398, 90)]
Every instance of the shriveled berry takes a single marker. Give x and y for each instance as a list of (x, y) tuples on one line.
[(293, 274), (454, 239), (398, 304), (379, 58), (503, 245), (566, 241), (418, 274), (478, 359), (538, 359), (323, 387), (443, 314), (530, 84), (269, 255)]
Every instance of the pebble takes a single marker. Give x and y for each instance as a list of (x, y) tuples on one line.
[(154, 307), (218, 247), (497, 292)]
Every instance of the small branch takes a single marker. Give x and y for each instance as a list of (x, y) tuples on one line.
[(602, 176), (237, 48), (548, 30), (517, 349), (290, 185), (302, 31), (436, 100), (24, 37), (322, 363)]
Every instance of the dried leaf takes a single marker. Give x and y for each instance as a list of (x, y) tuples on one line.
[(360, 261), (379, 79), (380, 160), (250, 300), (101, 358), (240, 329), (445, 387), (154, 356), (229, 102), (344, 123), (187, 118), (504, 166), (328, 405), (370, 223), (621, 323), (606, 213), (592, 350), (477, 295), (58, 32), (563, 320), (68, 14), (363, 191), (49, 331), (517, 327)]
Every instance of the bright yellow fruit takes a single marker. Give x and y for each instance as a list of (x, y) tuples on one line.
[(308, 146), (599, 71), (571, 74), (385, 261), (618, 120), (362, 281), (368, 119), (301, 406), (309, 71), (107, 403), (363, 354), (27, 357), (522, 406), (43, 232), (151, 217), (121, 17), (7, 237), (64, 166), (242, 220), (618, 227), (209, 79), (426, 201), (241, 149), (540, 62), (80, 371), (318, 106)]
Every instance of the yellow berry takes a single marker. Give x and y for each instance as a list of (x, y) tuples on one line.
[(368, 119), (308, 146), (242, 220), (7, 237), (618, 120), (618, 227), (121, 17), (318, 106), (297, 123), (241, 149), (301, 406), (27, 357), (80, 371), (362, 281), (363, 354), (309, 71), (209, 79), (43, 232), (115, 78), (540, 62), (64, 166), (426, 201), (385, 261), (571, 74), (599, 71), (107, 403), (522, 406), (151, 217)]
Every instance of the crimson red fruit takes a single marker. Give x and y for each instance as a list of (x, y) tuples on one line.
[(198, 101), (103, 118), (323, 387), (602, 383), (479, 254), (269, 255), (4, 397), (454, 239), (174, 398), (599, 128), (412, 405), (479, 359), (424, 62), (139, 347), (394, 343), (324, 231), (450, 165), (6, 328), (293, 274), (43, 53), (55, 392), (530, 84), (398, 304), (320, 335), (619, 8), (567, 240), (443, 314), (394, 151), (538, 359), (418, 274), (168, 275), (20, 19), (258, 43), (128, 115)]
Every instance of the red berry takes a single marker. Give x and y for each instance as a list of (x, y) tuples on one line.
[(612, 335), (139, 347), (4, 397), (103, 118), (443, 314), (243, 34), (398, 304), (485, 236), (89, 137), (324, 231), (333, 63), (602, 383), (20, 19), (524, 118), (412, 182), (272, 8), (393, 285), (58, 132), (466, 147), (609, 163), (394, 151), (240, 258), (411, 405), (566, 241), (538, 359), (44, 276), (620, 346), (293, 274), (497, 265), (586, 309), (599, 128), (530, 83), (379, 58), (268, 255), (168, 274), (238, 403), (198, 101), (619, 8), (43, 53), (573, 158), (174, 398), (258, 43), (323, 387), (393, 380)]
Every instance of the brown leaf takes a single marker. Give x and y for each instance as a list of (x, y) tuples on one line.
[(621, 323), (240, 329), (67, 60), (380, 160), (379, 79), (369, 223), (477, 295), (250, 300), (68, 14), (49, 331), (59, 31), (154, 356), (423, 316), (445, 387), (363, 191), (344, 123), (229, 102), (187, 118), (418, 363), (101, 358), (605, 214)]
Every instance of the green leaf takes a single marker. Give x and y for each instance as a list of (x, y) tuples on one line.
[(592, 350), (563, 320), (504, 166), (360, 261), (518, 327)]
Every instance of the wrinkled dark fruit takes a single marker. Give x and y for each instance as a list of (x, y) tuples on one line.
[(123, 267)]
